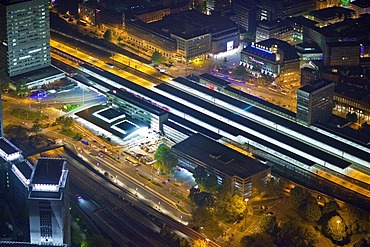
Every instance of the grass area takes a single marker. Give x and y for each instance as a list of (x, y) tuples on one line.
[(70, 107), (68, 132), (182, 209), (28, 115), (181, 197), (264, 201), (244, 224), (152, 181)]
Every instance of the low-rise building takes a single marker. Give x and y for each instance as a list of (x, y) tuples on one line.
[(246, 175)]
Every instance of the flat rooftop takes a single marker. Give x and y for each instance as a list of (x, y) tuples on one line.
[(8, 147), (332, 12), (38, 74), (25, 168), (48, 170), (215, 80), (219, 157), (314, 85)]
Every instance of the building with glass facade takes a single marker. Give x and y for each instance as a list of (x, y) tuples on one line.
[(25, 35), (315, 102), (48, 202)]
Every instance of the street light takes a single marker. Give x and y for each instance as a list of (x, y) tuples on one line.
[(207, 239), (159, 205)]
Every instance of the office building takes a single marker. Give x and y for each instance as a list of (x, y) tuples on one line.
[(269, 9), (25, 36), (245, 15), (277, 29), (342, 54), (361, 6), (246, 175), (315, 102), (48, 202), (90, 13)]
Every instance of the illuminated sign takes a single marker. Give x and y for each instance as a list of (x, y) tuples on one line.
[(261, 48), (45, 187)]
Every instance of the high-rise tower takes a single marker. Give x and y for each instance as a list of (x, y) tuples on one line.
[(48, 202), (24, 36)]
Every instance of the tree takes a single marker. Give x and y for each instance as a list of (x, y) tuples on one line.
[(200, 175), (199, 243), (119, 39), (96, 241), (330, 207), (211, 183), (22, 88), (230, 207), (257, 240), (274, 187), (204, 221), (269, 225), (355, 220), (166, 160), (292, 234), (108, 35), (157, 58), (36, 128), (312, 211), (363, 242), (240, 71), (201, 198), (298, 197), (336, 229)]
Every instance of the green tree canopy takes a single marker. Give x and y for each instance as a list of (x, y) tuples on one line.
[(330, 207), (166, 161), (274, 187), (204, 221), (200, 175), (108, 35), (257, 240), (199, 243), (96, 241), (240, 71), (292, 234), (211, 183), (312, 211), (269, 225), (298, 197), (157, 58), (201, 198), (336, 228), (36, 127), (229, 207)]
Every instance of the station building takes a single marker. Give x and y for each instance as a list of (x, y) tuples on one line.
[(246, 174)]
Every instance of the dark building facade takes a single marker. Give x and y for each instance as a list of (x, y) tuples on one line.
[(315, 101)]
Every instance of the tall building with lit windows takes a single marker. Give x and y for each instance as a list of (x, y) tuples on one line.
[(48, 202), (25, 35)]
